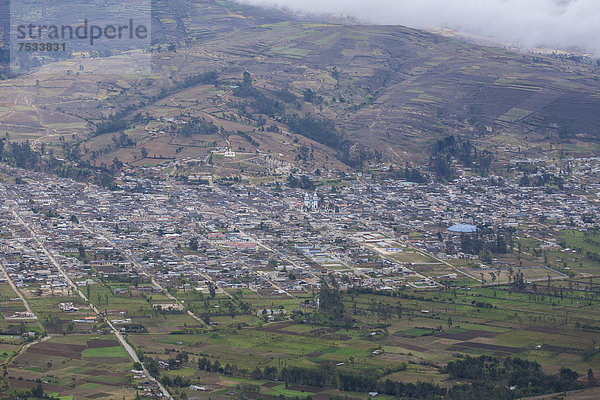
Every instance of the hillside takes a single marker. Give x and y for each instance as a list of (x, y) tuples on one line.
[(320, 95)]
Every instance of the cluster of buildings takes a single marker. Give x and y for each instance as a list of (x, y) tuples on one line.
[(271, 239)]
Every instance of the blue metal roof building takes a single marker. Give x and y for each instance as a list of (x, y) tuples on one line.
[(463, 228)]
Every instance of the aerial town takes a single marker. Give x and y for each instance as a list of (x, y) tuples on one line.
[(299, 200), (219, 254)]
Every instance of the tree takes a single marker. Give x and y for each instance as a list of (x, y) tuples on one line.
[(443, 168), (232, 310), (81, 250), (194, 244), (152, 366), (311, 97), (399, 310), (203, 364), (179, 381), (38, 391), (330, 298), (247, 80), (567, 378), (211, 289), (591, 378), (257, 373), (182, 357), (117, 163)]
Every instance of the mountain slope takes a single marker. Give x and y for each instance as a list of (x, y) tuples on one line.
[(390, 91)]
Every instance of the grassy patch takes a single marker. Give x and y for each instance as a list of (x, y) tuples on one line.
[(116, 351), (415, 332), (89, 385), (515, 114)]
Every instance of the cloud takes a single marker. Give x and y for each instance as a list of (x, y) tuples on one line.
[(559, 24)]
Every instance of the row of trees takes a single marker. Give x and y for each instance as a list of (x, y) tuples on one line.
[(302, 182), (478, 243), (198, 126), (22, 155), (408, 173), (491, 379), (330, 298), (450, 148), (526, 377), (541, 180), (260, 103)]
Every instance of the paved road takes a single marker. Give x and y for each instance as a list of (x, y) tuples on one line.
[(17, 291)]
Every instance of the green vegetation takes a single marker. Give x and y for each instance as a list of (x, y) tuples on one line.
[(21, 155), (445, 150), (115, 351)]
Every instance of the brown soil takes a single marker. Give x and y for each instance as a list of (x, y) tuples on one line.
[(99, 343), (468, 335), (500, 350), (308, 389), (21, 384), (57, 349)]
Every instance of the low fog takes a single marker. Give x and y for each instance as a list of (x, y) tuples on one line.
[(527, 24)]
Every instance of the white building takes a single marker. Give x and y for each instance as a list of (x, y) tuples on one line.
[(311, 203)]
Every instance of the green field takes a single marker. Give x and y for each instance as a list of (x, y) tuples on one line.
[(116, 351)]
